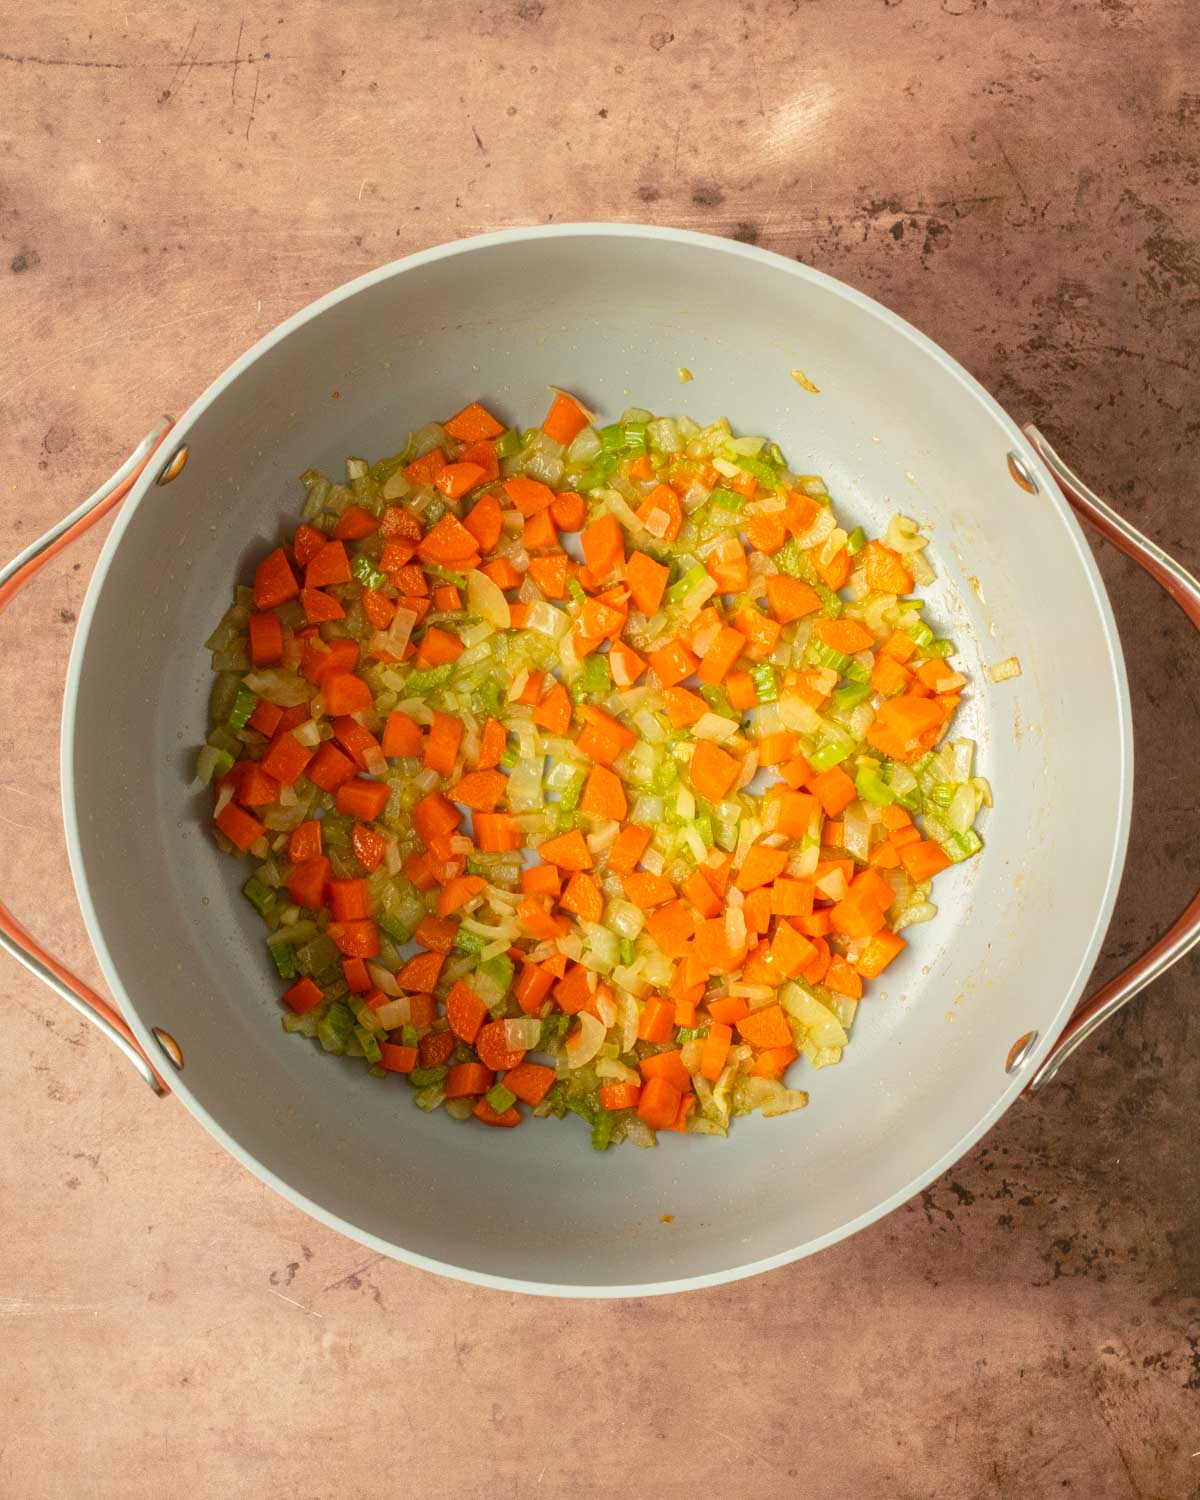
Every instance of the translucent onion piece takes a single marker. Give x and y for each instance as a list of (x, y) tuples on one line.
[(584, 1043), (1004, 670), (486, 599)]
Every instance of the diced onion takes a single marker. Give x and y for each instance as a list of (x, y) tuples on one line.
[(1004, 670), (383, 979), (397, 1012), (523, 1034), (712, 726), (586, 1041)]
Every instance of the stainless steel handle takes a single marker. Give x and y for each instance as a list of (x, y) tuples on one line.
[(1183, 934), (14, 939)]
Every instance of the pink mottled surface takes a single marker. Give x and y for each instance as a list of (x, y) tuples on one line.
[(1018, 177)]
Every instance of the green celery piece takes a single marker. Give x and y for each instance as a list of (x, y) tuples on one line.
[(826, 656), (852, 695), (704, 827), (554, 1028), (510, 757), (337, 830), (636, 436), (492, 695), (831, 605), (261, 897), (942, 795), (920, 632), (478, 866), (420, 683), (336, 1028), (725, 499), (566, 820), (856, 672), (211, 763), (508, 443), (828, 755), (678, 591), (602, 1129), (500, 1098), (595, 676), (459, 580), (765, 682), (960, 846), (499, 971), (598, 472), (718, 700), (468, 942), (775, 454), (400, 932), (793, 560), (367, 1041), (871, 787), (367, 574), (568, 798), (284, 959), (243, 706), (423, 1078), (666, 775), (856, 541), (435, 512), (409, 1036), (628, 952), (691, 1033), (317, 956), (940, 649), (612, 438), (575, 589)]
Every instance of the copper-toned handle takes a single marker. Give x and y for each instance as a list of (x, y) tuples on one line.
[(14, 939), (1183, 934)]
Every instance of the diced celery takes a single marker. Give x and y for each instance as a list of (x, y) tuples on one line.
[(429, 1099), (284, 958), (856, 541), (831, 605), (612, 437), (666, 774), (628, 952), (856, 672), (510, 758), (602, 1129), (491, 695), (565, 820), (831, 754), (725, 499), (568, 798), (336, 1028), (317, 956), (679, 590), (942, 794), (793, 560), (920, 632), (459, 580), (468, 942), (369, 1044), (336, 830), (851, 695), (366, 574), (691, 1033), (960, 846), (500, 1098), (718, 700), (435, 512), (409, 1036), (871, 787), (396, 928), (243, 706), (765, 682), (496, 975), (595, 677), (420, 683), (261, 897), (211, 763), (826, 656), (598, 472), (635, 437), (508, 443), (575, 589), (940, 649), (423, 1078), (704, 827)]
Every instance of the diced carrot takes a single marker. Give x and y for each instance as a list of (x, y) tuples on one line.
[(760, 866), (766, 530), (603, 794), (307, 542), (672, 927), (847, 636), (433, 817), (603, 545), (538, 533), (792, 898), (857, 915), (661, 513), (625, 665), (396, 555), (442, 742), (467, 1079), (602, 737), (668, 1065), (646, 890), (553, 713), (425, 470), (791, 951), (729, 1010), (328, 768), (761, 632), (397, 1059), (356, 939), (672, 663), (721, 655), (647, 580), (239, 827), (900, 646), (902, 725), (362, 799), (465, 1012), (565, 420), (398, 523), (482, 452), (627, 848), (401, 736), (888, 676), (533, 984), (473, 423), (766, 1027), (684, 707), (529, 1081), (304, 842), (775, 749), (923, 860), (484, 522), (887, 572), (436, 933), (495, 832), (833, 564), (345, 693), (550, 574), (356, 740), (303, 996), (349, 900), (772, 1062), (446, 598), (532, 689), (267, 717), (741, 691), (658, 1103), (482, 791), (815, 925), (575, 989), (657, 1020), (492, 743), (833, 789), (449, 542), (729, 567), (528, 495), (715, 950), (702, 896), (618, 1095), (568, 512), (879, 952), (266, 640), (285, 758), (329, 566), (438, 647), (457, 892), (274, 581), (354, 523), (790, 599), (842, 979), (569, 851), (713, 770), (369, 848), (583, 897), (715, 1051), (743, 484), (421, 973)]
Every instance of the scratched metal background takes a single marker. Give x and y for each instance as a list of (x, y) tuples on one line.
[(1018, 177)]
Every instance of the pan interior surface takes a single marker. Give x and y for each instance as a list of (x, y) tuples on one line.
[(610, 314)]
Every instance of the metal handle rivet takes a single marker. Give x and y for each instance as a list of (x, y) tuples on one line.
[(173, 467), (1020, 1050), (1020, 473), (170, 1046)]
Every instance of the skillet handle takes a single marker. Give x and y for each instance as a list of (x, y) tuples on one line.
[(1183, 934), (14, 939)]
